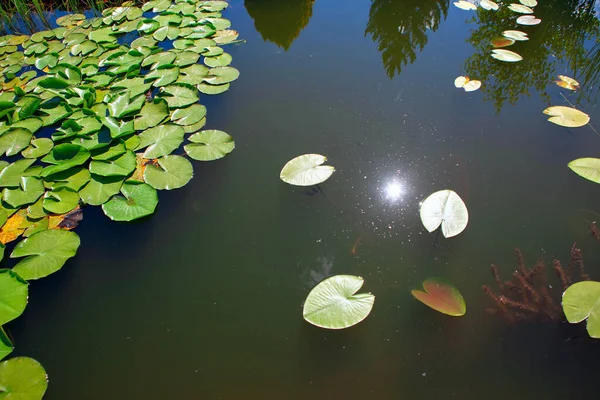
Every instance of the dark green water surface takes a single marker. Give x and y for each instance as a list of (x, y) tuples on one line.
[(203, 300)]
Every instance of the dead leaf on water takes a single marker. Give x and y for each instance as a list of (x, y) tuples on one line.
[(14, 227), (567, 83)]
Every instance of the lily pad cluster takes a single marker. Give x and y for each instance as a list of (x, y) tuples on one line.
[(86, 119)]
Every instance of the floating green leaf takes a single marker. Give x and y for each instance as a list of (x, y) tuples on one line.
[(121, 166), (306, 170), (152, 114), (447, 209), (506, 55), (221, 75), (61, 200), (11, 175), (581, 301), (15, 140), (190, 115), (13, 295), (334, 304), (161, 140), (567, 116), (46, 252), (179, 95), (100, 189), (64, 156), (6, 346), (31, 189), (588, 168), (121, 105), (22, 378), (442, 296), (138, 200), (172, 172)]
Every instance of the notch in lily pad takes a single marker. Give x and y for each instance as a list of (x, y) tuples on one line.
[(444, 208), (580, 302), (306, 170), (568, 117), (442, 296), (334, 304)]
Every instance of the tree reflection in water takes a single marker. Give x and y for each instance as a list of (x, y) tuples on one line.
[(280, 21), (556, 46), (399, 27)]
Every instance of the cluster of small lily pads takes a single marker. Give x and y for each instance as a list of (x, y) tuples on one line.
[(87, 120), (334, 303)]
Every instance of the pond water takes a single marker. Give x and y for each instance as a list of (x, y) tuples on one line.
[(203, 299)]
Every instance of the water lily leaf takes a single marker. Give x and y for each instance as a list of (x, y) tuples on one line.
[(121, 104), (306, 170), (195, 127), (104, 35), (465, 5), (47, 60), (580, 302), (138, 200), (6, 346), (147, 25), (502, 42), (118, 129), (23, 378), (17, 40), (74, 179), (101, 80), (567, 116), (10, 176), (70, 19), (334, 304), (506, 55), (218, 23), (178, 95), (46, 252), (212, 51), (89, 125), (529, 3), (225, 36), (15, 140), (13, 295), (221, 75), (189, 115), (121, 166), (520, 8), (214, 5), (36, 49), (61, 200), (515, 35), (218, 61), (54, 83), (100, 189), (134, 86), (158, 59), (528, 20), (27, 106), (31, 189), (172, 172), (84, 48), (186, 58), (157, 6), (442, 296), (488, 5), (63, 157), (193, 75), (467, 84), (567, 83), (447, 209), (115, 150), (206, 88), (152, 114), (163, 75), (161, 140), (182, 44), (14, 226), (588, 168), (38, 148)]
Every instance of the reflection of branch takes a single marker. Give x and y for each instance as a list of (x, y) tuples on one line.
[(399, 28), (567, 25)]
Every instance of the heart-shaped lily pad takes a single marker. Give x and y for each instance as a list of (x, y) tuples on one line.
[(306, 170), (22, 378), (45, 252), (13, 295), (442, 296), (138, 200), (172, 172), (447, 209), (334, 304), (581, 301)]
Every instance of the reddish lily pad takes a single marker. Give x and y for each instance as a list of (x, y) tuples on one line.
[(442, 296), (502, 42)]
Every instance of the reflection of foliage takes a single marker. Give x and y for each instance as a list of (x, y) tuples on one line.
[(561, 37), (527, 295), (399, 27), (280, 21), (591, 70)]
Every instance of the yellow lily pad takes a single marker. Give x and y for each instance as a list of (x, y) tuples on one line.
[(567, 116)]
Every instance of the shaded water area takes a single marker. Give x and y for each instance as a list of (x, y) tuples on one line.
[(203, 299)]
